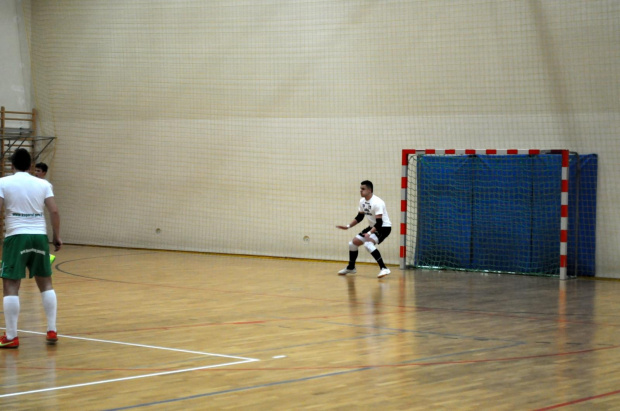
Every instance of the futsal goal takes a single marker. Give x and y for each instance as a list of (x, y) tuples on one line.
[(503, 211)]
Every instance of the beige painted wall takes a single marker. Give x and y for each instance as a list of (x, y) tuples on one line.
[(242, 127)]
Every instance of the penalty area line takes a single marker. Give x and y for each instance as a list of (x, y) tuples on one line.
[(240, 360), (135, 377), (154, 347)]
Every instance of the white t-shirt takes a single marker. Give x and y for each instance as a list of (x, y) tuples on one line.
[(24, 202), (374, 207)]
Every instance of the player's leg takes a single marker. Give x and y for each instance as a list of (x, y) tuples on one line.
[(10, 303), (380, 236), (42, 269), (50, 305), (12, 271), (354, 245), (374, 251)]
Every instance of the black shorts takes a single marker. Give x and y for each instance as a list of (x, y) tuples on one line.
[(382, 233)]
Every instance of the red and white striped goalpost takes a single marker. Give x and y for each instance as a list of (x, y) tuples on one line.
[(563, 237)]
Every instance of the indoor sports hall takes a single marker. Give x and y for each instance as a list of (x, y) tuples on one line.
[(203, 153)]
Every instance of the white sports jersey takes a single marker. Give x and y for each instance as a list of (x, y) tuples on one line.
[(374, 207), (24, 203)]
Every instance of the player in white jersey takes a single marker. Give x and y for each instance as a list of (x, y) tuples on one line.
[(380, 227), (24, 198), (40, 170)]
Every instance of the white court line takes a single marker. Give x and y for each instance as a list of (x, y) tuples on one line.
[(242, 360), (146, 346)]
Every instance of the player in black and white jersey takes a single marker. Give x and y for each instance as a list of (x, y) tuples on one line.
[(380, 226)]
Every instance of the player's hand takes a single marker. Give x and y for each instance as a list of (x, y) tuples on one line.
[(57, 244), (342, 227)]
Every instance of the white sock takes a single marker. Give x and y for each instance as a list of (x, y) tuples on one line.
[(11, 314), (50, 305)]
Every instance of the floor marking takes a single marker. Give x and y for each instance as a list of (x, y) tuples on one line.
[(577, 401), (231, 390), (283, 382), (240, 360)]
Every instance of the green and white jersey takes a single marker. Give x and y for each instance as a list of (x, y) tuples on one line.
[(24, 202)]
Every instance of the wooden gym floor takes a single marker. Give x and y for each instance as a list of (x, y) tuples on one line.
[(141, 329)]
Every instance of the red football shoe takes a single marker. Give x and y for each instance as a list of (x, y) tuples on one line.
[(6, 343), (52, 337)]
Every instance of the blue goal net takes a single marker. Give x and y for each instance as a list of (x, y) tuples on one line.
[(498, 213)]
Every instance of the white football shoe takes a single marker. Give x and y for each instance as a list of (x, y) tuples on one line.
[(346, 271), (383, 272)]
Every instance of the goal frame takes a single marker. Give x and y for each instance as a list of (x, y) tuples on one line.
[(562, 235)]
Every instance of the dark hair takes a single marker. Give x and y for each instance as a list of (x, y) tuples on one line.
[(21, 159), (41, 166), (367, 184)]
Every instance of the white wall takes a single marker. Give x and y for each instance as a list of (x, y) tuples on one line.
[(14, 58)]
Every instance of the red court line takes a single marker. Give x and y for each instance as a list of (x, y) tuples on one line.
[(356, 366), (172, 327), (580, 400), (416, 308)]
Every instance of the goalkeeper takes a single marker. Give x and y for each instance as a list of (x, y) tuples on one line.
[(380, 227)]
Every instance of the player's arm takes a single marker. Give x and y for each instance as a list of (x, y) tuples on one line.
[(50, 204), (358, 218), (378, 224)]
